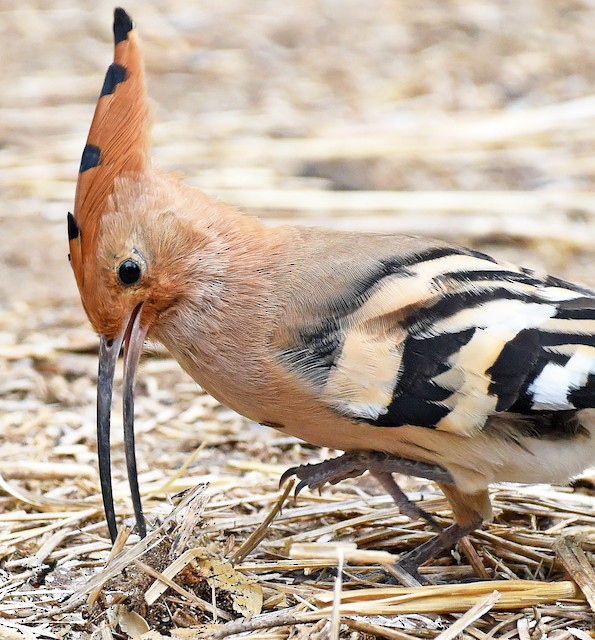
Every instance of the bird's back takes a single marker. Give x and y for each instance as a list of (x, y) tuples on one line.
[(393, 331)]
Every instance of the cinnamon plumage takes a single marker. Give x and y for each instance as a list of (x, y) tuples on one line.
[(410, 355)]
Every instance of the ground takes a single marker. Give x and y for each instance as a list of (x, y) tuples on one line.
[(472, 121)]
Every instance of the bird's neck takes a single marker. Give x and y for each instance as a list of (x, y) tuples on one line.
[(219, 331)]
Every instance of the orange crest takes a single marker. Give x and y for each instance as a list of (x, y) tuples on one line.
[(117, 144)]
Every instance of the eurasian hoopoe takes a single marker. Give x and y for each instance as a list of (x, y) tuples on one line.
[(410, 355)]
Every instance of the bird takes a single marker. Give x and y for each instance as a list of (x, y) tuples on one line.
[(410, 355)]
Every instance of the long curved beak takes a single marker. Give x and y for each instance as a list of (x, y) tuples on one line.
[(133, 337)]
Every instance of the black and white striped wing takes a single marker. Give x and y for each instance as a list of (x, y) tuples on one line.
[(444, 339)]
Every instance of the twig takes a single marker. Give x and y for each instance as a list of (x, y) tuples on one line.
[(336, 616), (260, 532), (119, 544), (266, 621), (125, 559), (468, 618), (578, 566), (469, 550), (191, 597), (377, 630)]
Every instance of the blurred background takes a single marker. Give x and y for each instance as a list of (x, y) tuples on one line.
[(464, 119), (467, 119)]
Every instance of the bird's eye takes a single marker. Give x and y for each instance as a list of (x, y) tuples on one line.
[(129, 272)]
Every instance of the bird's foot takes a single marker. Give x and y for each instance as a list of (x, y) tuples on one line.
[(381, 466), (355, 463)]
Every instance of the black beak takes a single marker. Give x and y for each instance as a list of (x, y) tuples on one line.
[(133, 338)]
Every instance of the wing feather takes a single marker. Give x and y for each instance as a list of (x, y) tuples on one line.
[(446, 339)]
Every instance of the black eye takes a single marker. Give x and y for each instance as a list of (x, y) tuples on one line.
[(129, 272)]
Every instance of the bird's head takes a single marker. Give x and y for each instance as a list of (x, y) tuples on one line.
[(128, 241)]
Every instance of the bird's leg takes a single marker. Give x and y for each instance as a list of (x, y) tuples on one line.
[(409, 563), (406, 506)]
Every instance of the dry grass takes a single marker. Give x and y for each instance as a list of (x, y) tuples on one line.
[(470, 120)]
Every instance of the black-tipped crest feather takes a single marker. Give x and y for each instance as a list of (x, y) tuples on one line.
[(122, 25)]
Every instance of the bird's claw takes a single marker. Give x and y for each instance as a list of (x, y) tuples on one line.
[(315, 476), (301, 485), (304, 477)]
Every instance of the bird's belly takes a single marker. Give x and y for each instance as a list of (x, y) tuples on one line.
[(474, 461), (550, 460), (479, 460)]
